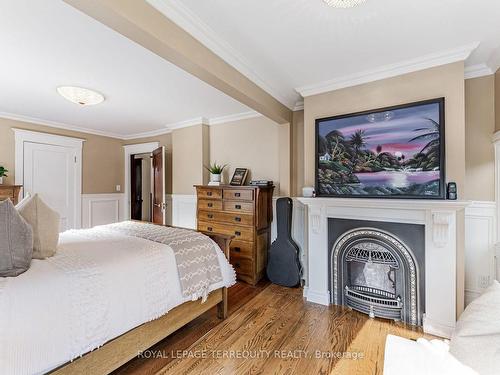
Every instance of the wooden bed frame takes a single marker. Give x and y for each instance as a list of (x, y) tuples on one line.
[(122, 349)]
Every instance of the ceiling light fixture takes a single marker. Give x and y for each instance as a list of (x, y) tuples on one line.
[(80, 95), (343, 3)]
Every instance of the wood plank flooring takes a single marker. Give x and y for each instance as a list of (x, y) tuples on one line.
[(272, 330)]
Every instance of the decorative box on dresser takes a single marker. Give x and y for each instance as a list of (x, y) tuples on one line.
[(10, 191), (246, 213)]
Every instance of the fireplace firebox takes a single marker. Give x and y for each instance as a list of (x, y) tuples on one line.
[(374, 271)]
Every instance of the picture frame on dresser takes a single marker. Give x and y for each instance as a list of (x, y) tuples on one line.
[(239, 177)]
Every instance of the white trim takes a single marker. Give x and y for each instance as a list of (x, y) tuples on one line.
[(22, 136), (391, 70), (478, 70), (139, 148), (90, 217), (299, 106), (57, 125), (127, 137), (184, 210), (232, 118), (194, 25)]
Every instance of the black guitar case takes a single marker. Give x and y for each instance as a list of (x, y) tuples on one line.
[(283, 266)]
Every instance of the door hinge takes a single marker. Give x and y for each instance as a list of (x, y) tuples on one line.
[(75, 159)]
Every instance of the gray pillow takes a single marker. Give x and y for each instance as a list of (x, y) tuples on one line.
[(16, 241)]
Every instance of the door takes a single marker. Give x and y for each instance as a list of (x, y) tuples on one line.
[(159, 204), (136, 188), (50, 172)]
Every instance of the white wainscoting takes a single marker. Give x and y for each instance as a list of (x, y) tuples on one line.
[(99, 209), (480, 237), (183, 209)]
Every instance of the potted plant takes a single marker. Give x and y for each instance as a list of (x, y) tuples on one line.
[(3, 173), (215, 172)]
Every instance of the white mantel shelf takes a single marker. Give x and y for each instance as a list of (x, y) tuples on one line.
[(444, 251), (406, 204)]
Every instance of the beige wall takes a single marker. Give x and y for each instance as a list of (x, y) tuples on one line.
[(102, 165), (444, 81), (164, 140), (297, 154), (479, 129), (189, 155), (251, 143)]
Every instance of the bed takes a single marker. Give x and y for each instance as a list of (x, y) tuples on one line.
[(104, 297)]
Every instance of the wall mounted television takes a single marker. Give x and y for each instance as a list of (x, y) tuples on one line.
[(393, 152)]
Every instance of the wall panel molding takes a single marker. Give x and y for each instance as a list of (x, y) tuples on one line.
[(100, 209)]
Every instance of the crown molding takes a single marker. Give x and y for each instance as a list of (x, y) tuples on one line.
[(299, 106), (232, 118), (196, 27), (187, 123), (148, 134), (392, 70), (478, 70), (58, 125)]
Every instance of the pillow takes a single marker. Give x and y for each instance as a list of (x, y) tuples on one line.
[(476, 339), (45, 224), (421, 357), (16, 241)]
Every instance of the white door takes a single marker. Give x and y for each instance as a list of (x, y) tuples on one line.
[(50, 172)]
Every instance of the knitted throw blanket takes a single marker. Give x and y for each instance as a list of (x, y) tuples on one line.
[(195, 254)]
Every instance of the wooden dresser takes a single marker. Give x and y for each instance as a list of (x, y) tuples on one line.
[(10, 191), (242, 211)]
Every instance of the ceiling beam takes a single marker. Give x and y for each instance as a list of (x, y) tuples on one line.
[(142, 23)]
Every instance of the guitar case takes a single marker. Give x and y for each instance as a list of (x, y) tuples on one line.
[(283, 265)]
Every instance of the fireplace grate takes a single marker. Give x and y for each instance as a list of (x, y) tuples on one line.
[(369, 252), (374, 302)]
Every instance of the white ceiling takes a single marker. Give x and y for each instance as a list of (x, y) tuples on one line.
[(46, 44), (304, 45)]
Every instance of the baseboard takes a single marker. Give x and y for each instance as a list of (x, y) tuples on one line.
[(436, 328), (321, 298)]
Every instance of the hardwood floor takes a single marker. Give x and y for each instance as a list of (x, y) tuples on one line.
[(272, 330)]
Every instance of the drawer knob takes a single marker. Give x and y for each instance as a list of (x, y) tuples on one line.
[(237, 194), (237, 218), (237, 206), (237, 249), (209, 193), (210, 216), (237, 233), (237, 265), (210, 204), (209, 229)]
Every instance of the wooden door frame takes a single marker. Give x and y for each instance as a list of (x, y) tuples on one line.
[(22, 136), (139, 148)]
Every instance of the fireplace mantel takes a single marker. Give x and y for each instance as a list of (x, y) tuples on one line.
[(444, 249)]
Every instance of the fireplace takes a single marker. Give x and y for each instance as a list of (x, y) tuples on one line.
[(375, 269)]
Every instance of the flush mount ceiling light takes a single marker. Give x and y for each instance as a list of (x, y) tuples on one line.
[(80, 95), (343, 3)]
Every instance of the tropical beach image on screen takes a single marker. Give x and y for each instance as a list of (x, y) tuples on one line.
[(394, 152)]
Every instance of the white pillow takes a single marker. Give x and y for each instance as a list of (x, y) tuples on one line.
[(421, 357), (476, 339), (45, 224)]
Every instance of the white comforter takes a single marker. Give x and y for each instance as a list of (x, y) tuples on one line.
[(98, 286)]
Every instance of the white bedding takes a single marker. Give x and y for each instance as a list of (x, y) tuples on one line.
[(99, 285)]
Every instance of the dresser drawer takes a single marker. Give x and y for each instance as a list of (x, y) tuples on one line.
[(239, 232), (241, 194), (242, 266), (236, 206), (242, 249), (209, 193), (226, 217), (207, 204)]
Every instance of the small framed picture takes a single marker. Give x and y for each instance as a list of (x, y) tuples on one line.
[(239, 176)]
